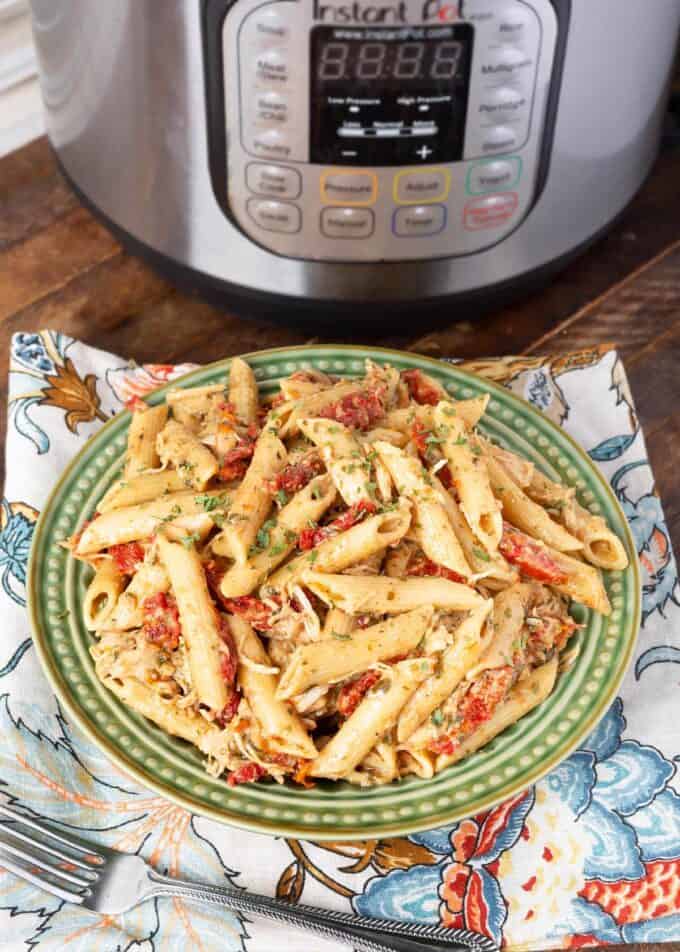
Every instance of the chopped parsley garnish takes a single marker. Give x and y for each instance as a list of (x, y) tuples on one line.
[(371, 489), (461, 441), (281, 497), (188, 541), (316, 492), (340, 636), (313, 556), (277, 549), (481, 554), (437, 718)]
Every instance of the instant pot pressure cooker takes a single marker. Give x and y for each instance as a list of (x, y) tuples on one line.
[(348, 152)]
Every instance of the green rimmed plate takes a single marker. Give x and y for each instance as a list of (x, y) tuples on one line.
[(511, 762)]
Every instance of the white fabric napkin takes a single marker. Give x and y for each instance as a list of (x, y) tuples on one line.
[(590, 855)]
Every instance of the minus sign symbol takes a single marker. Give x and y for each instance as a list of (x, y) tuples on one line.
[(348, 152)]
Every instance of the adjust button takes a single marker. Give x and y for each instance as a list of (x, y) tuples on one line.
[(273, 181), (347, 222), (500, 139), (419, 221), (494, 175), (421, 186), (349, 188), (275, 216)]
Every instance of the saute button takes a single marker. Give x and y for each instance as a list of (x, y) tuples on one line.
[(419, 187), (419, 221), (349, 188), (273, 181), (499, 139), (495, 175), (347, 222), (275, 216)]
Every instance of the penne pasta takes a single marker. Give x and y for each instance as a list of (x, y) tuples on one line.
[(178, 446), (355, 594), (142, 488), (583, 582), (469, 411), (200, 624), (141, 445), (150, 579), (243, 395), (334, 659), (102, 595), (343, 456), (252, 500)]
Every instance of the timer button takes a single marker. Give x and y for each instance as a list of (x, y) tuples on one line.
[(347, 222), (494, 175), (273, 181), (275, 216), (499, 139), (421, 186), (271, 67), (419, 221), (349, 188), (503, 102)]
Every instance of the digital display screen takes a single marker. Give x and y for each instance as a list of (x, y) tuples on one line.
[(389, 96)]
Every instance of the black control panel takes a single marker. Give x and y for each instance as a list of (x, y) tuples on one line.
[(389, 96)]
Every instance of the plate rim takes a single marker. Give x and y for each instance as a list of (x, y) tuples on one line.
[(402, 827)]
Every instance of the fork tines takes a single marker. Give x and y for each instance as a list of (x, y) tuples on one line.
[(45, 858)]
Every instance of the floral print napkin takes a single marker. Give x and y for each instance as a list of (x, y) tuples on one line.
[(589, 856)]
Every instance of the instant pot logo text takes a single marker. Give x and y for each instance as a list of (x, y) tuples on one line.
[(384, 13)]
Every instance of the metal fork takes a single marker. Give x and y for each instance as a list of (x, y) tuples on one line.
[(110, 883)]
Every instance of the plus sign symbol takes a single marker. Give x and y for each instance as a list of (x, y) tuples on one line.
[(424, 151)]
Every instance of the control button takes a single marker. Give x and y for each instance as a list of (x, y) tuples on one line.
[(494, 175), (349, 188), (499, 139), (275, 216), (419, 221), (272, 107), (513, 23), (490, 212), (273, 181), (269, 26), (347, 222), (272, 143), (421, 186), (503, 103), (506, 61), (271, 66)]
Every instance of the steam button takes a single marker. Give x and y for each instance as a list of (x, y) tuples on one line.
[(275, 216), (499, 139)]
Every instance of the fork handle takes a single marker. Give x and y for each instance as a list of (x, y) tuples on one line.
[(368, 935)]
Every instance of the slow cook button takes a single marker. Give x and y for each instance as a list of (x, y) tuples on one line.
[(500, 139), (491, 212), (273, 181), (494, 175), (275, 216), (273, 144), (349, 188), (419, 187), (347, 222), (419, 221), (271, 107), (271, 67)]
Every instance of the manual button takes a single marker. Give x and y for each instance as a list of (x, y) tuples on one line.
[(273, 181), (275, 216), (349, 188), (421, 186), (347, 222), (419, 221)]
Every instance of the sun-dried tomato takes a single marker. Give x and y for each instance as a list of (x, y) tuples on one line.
[(251, 609), (476, 707), (530, 557), (230, 709), (295, 476), (352, 694), (309, 538), (229, 657), (421, 388), (161, 624), (127, 556), (357, 410), (426, 568), (246, 773)]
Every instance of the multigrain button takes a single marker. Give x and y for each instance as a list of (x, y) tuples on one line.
[(271, 67), (349, 188), (275, 216), (272, 107), (506, 62), (500, 139), (347, 222), (419, 221), (419, 187), (273, 181), (494, 175)]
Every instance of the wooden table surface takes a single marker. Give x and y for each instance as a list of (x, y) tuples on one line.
[(60, 269)]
